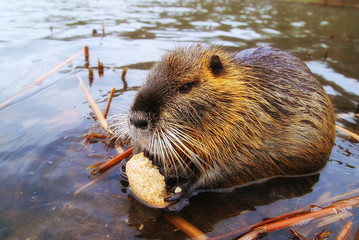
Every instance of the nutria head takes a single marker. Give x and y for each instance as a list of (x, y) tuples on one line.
[(186, 95), (221, 119)]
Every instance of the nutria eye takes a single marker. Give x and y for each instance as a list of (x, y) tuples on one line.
[(185, 88)]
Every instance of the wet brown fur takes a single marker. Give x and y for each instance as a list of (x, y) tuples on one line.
[(261, 114)]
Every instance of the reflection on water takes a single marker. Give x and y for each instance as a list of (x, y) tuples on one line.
[(42, 158)]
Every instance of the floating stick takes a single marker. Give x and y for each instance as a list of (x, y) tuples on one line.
[(39, 80), (109, 102), (86, 53), (123, 78), (101, 167), (100, 68), (90, 75), (94, 136)]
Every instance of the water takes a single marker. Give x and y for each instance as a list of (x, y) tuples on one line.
[(43, 163)]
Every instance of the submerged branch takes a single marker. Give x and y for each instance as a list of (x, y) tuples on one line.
[(186, 227), (39, 80), (91, 183)]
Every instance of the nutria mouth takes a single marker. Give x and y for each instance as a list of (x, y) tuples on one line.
[(158, 162), (153, 158), (172, 180)]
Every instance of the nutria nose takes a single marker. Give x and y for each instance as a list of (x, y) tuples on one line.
[(139, 123)]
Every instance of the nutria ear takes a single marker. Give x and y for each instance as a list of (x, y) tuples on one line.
[(215, 65)]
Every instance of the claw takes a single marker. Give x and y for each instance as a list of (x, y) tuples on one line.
[(179, 195), (179, 192), (178, 206), (175, 196)]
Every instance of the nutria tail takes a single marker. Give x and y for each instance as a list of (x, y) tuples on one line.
[(209, 118)]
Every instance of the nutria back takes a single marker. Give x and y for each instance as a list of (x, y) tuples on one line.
[(209, 118)]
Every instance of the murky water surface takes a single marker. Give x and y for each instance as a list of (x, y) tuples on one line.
[(42, 159)]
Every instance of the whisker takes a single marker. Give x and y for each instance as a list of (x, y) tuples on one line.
[(169, 155), (198, 162), (176, 158), (119, 126), (120, 107), (189, 139), (159, 150)]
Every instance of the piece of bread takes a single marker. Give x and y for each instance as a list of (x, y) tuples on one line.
[(146, 181)]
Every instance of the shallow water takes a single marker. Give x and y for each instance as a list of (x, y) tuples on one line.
[(42, 159)]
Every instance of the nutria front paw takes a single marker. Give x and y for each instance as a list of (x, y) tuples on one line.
[(178, 196)]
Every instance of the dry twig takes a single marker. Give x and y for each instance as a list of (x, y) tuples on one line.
[(354, 135), (302, 217), (101, 167), (93, 105), (345, 230)]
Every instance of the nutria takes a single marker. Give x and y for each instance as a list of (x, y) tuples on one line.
[(212, 119)]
